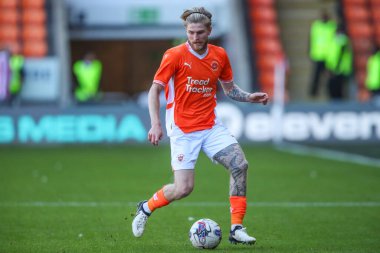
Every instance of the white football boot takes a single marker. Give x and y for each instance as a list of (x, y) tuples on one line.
[(239, 235), (139, 222)]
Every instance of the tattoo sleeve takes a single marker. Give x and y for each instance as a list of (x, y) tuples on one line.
[(233, 91), (234, 160)]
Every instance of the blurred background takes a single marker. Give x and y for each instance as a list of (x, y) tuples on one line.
[(79, 71)]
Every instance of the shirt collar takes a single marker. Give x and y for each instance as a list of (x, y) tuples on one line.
[(200, 56)]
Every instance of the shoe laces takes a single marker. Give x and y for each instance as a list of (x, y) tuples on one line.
[(142, 220), (242, 233), (242, 230)]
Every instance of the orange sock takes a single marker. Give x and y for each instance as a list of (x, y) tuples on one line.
[(238, 208), (158, 200)]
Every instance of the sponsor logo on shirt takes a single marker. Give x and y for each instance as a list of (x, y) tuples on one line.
[(199, 86)]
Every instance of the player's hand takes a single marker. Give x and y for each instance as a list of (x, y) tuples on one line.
[(155, 134), (258, 97)]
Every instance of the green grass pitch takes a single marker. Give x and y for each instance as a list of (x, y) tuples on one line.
[(80, 199)]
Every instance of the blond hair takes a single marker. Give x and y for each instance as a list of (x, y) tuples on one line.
[(196, 15)]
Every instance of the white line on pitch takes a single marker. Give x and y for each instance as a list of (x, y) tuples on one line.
[(190, 204), (299, 149)]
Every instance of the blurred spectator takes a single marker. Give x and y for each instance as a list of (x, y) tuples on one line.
[(372, 81), (16, 63), (5, 74), (88, 72), (339, 63), (11, 75), (321, 33)]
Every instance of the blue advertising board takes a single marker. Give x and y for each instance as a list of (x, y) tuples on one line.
[(248, 123)]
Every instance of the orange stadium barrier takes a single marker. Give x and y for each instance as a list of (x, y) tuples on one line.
[(361, 61), (360, 30), (265, 46), (266, 62), (263, 14), (9, 33), (354, 2), (266, 30), (35, 48), (261, 2), (13, 46), (362, 44), (9, 16), (34, 16), (33, 32), (357, 12), (8, 3), (375, 12), (32, 3)]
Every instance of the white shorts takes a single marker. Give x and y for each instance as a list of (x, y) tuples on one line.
[(185, 147)]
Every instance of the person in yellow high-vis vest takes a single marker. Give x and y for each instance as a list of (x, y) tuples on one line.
[(339, 63), (321, 33), (88, 72), (372, 80), (16, 65)]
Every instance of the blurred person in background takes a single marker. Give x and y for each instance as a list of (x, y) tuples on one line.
[(189, 74), (88, 73), (11, 75), (339, 64), (5, 74), (321, 33), (372, 81), (16, 63)]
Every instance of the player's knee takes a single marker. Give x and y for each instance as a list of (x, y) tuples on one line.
[(184, 191), (244, 165)]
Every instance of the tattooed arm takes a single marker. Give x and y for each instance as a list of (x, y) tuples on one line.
[(233, 91)]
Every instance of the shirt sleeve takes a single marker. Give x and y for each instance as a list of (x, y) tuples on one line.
[(167, 69), (226, 75)]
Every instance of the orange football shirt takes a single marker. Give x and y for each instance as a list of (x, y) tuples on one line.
[(190, 82)]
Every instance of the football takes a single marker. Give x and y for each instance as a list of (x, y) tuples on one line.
[(205, 234)]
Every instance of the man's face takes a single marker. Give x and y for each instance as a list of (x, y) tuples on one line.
[(197, 35)]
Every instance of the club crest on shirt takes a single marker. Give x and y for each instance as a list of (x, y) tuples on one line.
[(214, 65), (180, 157)]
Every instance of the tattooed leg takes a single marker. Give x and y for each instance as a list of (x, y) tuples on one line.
[(233, 158)]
